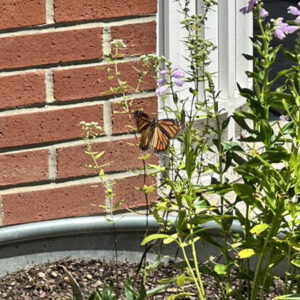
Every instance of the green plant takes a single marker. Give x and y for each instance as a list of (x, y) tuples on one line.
[(266, 158)]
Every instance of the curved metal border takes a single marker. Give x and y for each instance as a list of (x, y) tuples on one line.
[(82, 225)]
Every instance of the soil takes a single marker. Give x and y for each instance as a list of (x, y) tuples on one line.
[(48, 281)]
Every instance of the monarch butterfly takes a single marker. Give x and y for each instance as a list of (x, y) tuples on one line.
[(155, 134)]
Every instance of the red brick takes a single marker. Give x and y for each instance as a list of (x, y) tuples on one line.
[(91, 82), (22, 90), (138, 38), (50, 48), (46, 126), (77, 10), (64, 202), (121, 121), (22, 13), (71, 161), (23, 167), (125, 191)]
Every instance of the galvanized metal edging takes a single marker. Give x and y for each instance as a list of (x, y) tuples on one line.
[(84, 225)]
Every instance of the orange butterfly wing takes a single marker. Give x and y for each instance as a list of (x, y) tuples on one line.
[(159, 141), (142, 120), (169, 127), (155, 134)]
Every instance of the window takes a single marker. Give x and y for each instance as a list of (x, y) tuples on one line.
[(229, 30)]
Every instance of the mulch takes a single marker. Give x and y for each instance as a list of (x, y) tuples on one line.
[(48, 281)]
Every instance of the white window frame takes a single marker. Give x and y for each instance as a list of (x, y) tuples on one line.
[(229, 30)]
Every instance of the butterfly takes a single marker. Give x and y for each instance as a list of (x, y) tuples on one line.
[(155, 134)]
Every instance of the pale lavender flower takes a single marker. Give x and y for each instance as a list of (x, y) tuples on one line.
[(161, 81), (293, 10), (279, 33), (263, 13), (282, 29), (297, 20), (164, 72), (177, 73), (179, 82), (283, 118), (161, 90), (248, 8)]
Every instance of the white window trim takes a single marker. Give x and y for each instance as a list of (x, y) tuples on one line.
[(229, 30)]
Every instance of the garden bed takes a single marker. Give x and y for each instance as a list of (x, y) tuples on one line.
[(48, 281)]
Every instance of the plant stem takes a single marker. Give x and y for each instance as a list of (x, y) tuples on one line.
[(199, 288), (273, 230), (196, 265)]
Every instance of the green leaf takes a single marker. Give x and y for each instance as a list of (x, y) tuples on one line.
[(275, 156), (296, 263), (237, 295), (145, 157), (220, 269), (243, 190), (201, 219), (288, 297), (157, 167), (232, 146), (290, 55), (180, 280), (95, 296), (101, 173), (170, 239), (148, 189), (246, 253), (100, 154), (152, 237), (225, 123), (258, 229), (157, 289), (266, 132)]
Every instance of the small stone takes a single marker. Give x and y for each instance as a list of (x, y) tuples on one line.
[(41, 275), (54, 274)]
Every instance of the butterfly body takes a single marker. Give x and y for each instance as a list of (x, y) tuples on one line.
[(155, 134)]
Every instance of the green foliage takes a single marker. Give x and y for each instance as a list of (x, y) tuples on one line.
[(266, 160)]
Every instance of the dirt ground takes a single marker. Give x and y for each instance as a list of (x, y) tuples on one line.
[(48, 281)]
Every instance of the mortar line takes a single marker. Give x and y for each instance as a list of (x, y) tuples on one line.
[(52, 167), (49, 84), (60, 145), (48, 108), (106, 39), (107, 119), (74, 182), (49, 12), (69, 66), (67, 27)]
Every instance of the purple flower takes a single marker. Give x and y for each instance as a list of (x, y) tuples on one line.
[(297, 20), (283, 118), (179, 81), (177, 73), (161, 90), (263, 13), (248, 8), (164, 72), (279, 34), (161, 81), (293, 10), (282, 29)]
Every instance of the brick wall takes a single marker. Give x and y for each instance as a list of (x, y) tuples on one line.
[(50, 80)]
